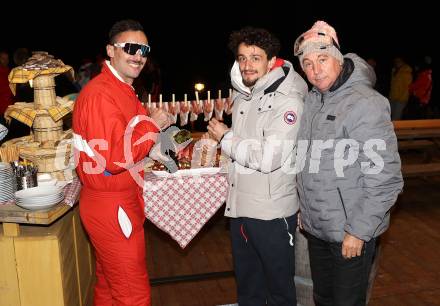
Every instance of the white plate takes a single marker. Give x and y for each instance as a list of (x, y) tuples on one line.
[(62, 184), (32, 207), (39, 191), (3, 131), (4, 166), (41, 200), (5, 199), (188, 172), (44, 177), (51, 182)]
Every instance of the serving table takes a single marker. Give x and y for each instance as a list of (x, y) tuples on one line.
[(181, 205), (45, 257)]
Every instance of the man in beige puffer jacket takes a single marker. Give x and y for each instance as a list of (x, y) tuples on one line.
[(262, 201)]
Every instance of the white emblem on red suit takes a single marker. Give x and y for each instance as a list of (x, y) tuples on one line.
[(290, 117)]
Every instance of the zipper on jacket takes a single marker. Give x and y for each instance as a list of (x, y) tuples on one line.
[(268, 175), (311, 122), (342, 202), (308, 147), (270, 193)]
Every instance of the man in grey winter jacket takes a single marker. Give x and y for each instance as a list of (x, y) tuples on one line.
[(350, 166), (262, 200)]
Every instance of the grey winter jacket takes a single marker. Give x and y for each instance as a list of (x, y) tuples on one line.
[(353, 177), (262, 143)]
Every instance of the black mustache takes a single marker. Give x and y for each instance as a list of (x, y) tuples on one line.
[(136, 62)]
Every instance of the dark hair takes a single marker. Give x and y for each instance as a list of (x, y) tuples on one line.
[(256, 37), (123, 26), (20, 56)]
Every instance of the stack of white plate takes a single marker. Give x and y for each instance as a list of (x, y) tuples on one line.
[(8, 184), (3, 131), (41, 197)]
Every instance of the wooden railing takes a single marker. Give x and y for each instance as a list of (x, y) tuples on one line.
[(423, 135), (416, 124)]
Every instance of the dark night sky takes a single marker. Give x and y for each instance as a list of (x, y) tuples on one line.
[(191, 44)]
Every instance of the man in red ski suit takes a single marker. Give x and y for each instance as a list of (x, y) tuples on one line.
[(111, 135)]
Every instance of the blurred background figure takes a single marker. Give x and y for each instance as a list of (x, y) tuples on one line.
[(382, 75), (6, 96), (420, 90), (24, 93), (149, 82), (88, 70), (83, 74), (372, 62), (401, 78)]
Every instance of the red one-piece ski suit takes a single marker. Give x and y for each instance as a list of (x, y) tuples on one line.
[(102, 112)]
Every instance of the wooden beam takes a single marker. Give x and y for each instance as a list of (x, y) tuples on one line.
[(416, 124), (415, 144), (429, 169), (418, 133)]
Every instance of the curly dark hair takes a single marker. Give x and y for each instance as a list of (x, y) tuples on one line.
[(123, 26), (255, 37)]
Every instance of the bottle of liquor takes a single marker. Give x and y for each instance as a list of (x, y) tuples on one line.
[(174, 140)]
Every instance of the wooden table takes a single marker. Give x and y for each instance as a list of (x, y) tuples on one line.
[(422, 135), (46, 258), (418, 133), (13, 215)]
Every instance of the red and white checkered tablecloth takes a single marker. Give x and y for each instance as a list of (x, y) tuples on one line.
[(181, 206), (71, 192)]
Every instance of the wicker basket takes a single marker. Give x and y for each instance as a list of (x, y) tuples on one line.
[(65, 175), (45, 129), (44, 91), (10, 150), (9, 153), (48, 160)]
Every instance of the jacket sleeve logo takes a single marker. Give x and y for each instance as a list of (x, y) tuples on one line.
[(290, 117)]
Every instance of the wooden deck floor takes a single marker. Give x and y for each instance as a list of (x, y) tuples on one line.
[(209, 252), (409, 272)]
